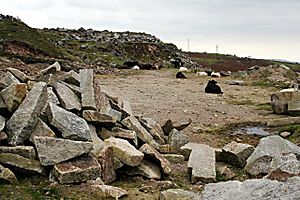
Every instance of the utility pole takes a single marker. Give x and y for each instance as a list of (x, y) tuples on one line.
[(217, 49), (188, 44)]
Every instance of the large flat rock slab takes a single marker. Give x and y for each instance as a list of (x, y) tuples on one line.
[(253, 189), (98, 117), (154, 129), (24, 119), (28, 165), (119, 133), (70, 125), (202, 164), (176, 139), (125, 152), (87, 89), (52, 69), (77, 170), (55, 150), (67, 97), (268, 147), (19, 75)]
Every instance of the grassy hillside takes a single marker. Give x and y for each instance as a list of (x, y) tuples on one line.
[(14, 32)]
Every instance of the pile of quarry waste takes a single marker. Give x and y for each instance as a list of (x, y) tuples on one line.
[(61, 125), (276, 75)]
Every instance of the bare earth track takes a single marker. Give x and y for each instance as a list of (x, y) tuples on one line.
[(160, 96)]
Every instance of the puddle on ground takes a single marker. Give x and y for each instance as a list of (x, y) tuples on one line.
[(252, 130)]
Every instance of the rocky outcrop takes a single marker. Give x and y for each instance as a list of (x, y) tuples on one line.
[(252, 189), (269, 147)]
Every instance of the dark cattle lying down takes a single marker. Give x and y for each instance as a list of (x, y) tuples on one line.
[(130, 64), (146, 66), (180, 75), (212, 87)]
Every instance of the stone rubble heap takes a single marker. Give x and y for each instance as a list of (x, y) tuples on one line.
[(60, 124)]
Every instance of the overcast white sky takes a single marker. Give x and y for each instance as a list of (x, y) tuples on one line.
[(256, 28)]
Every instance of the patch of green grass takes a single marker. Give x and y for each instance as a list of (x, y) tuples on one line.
[(264, 106), (12, 31), (295, 130)]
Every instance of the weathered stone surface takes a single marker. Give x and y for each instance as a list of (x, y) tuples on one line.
[(146, 169), (268, 147), (186, 149), (280, 100), (237, 153), (2, 123), (119, 133), (67, 97), (6, 175), (204, 171), (178, 194), (176, 139), (71, 126), (71, 77), (111, 191), (52, 96), (154, 129), (133, 124), (87, 89), (174, 158), (179, 125), (154, 155), (49, 79), (98, 118), (126, 107), (22, 163), (54, 150), (19, 75), (283, 121), (24, 119), (74, 88), (7, 79), (253, 189), (117, 163), (41, 129), (25, 151), (125, 152), (115, 114), (52, 69), (225, 172), (283, 167), (105, 158), (294, 107), (97, 142), (77, 170), (13, 95)]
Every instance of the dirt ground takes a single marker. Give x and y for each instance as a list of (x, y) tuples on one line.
[(160, 96)]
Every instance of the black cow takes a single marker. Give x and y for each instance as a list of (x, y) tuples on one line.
[(180, 75), (213, 88), (130, 64)]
